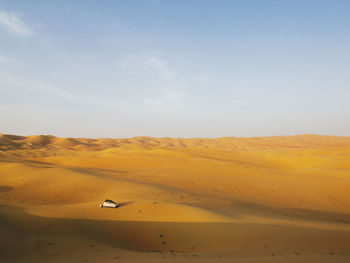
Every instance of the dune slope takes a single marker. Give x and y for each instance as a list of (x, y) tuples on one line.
[(269, 199)]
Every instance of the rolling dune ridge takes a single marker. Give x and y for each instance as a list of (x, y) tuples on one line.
[(266, 199)]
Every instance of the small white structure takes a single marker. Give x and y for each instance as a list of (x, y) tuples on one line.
[(109, 203)]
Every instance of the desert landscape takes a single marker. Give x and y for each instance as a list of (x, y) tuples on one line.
[(262, 199), (174, 131)]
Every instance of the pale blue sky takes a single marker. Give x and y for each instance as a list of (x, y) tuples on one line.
[(174, 68)]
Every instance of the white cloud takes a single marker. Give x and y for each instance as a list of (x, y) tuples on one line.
[(6, 60), (167, 88), (168, 98), (14, 24), (151, 64), (11, 83), (78, 98), (159, 65)]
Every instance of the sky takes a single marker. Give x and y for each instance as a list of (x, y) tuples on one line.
[(174, 68)]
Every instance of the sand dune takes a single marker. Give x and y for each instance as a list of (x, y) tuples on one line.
[(267, 199)]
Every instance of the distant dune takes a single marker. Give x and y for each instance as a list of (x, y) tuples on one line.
[(263, 199)]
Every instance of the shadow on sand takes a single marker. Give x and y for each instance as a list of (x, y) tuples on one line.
[(4, 188), (240, 238), (125, 203)]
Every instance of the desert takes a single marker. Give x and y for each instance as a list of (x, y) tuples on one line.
[(179, 131), (229, 199)]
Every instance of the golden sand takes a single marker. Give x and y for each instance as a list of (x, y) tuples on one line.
[(267, 199)]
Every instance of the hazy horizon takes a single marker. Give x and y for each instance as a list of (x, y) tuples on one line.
[(174, 68), (174, 137)]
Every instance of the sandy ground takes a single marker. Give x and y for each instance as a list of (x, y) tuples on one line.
[(268, 199)]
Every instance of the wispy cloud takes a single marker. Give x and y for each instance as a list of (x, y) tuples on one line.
[(167, 87), (11, 83), (168, 98), (14, 24), (79, 98), (159, 65), (6, 60), (150, 64)]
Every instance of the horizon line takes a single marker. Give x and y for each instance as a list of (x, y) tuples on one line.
[(170, 137)]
